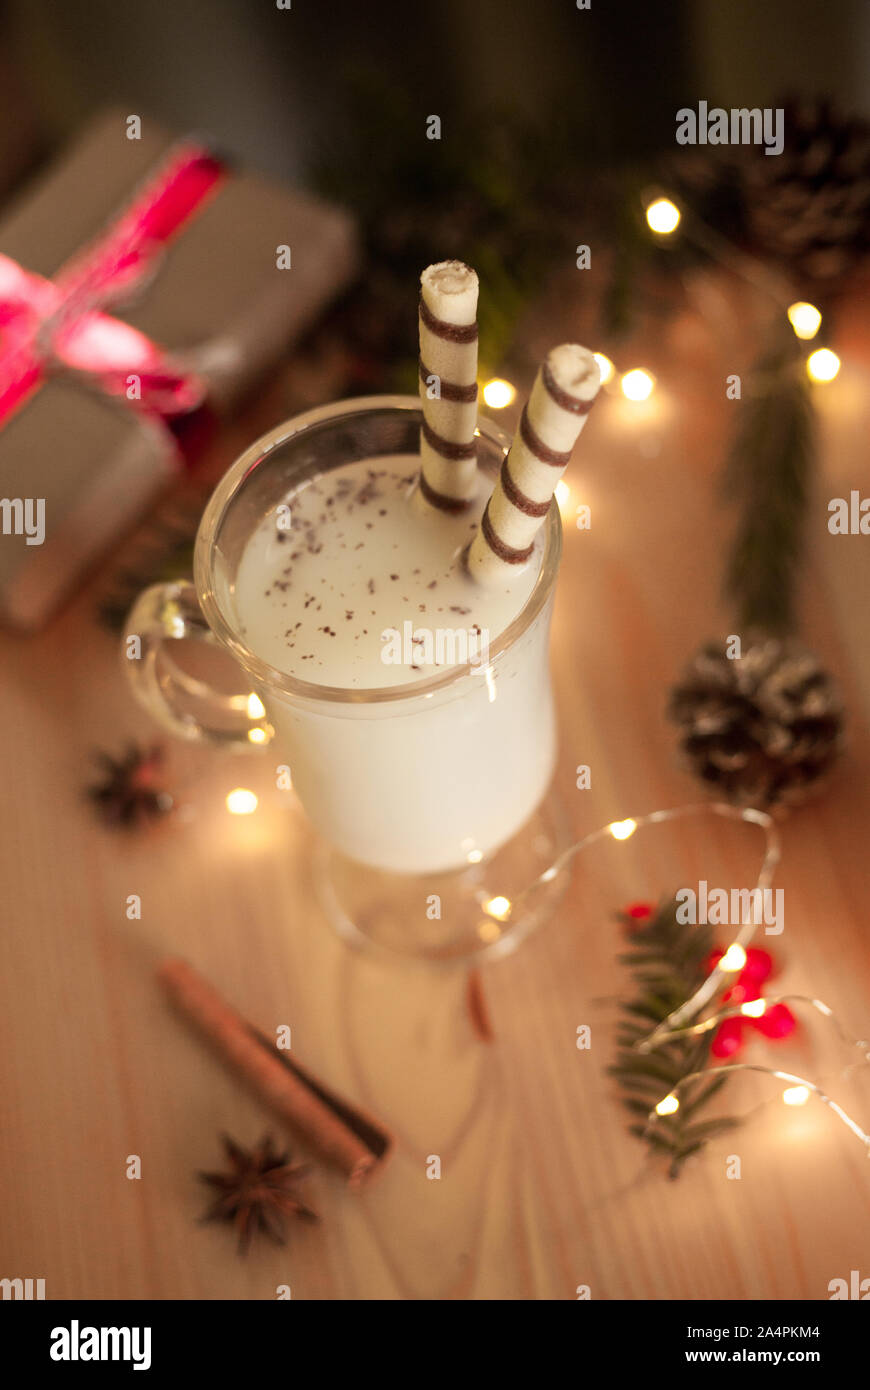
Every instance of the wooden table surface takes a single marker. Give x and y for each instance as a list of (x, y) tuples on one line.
[(542, 1189)]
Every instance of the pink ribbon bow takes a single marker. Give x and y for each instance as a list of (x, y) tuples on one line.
[(59, 325)]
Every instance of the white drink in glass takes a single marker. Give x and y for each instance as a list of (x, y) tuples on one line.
[(411, 702), (352, 583)]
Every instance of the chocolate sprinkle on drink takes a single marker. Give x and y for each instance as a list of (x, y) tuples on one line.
[(327, 625)]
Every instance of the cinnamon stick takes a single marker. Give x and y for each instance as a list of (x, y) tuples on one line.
[(337, 1130)]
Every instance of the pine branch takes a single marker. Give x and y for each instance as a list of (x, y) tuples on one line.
[(676, 955), (767, 474), (165, 553)]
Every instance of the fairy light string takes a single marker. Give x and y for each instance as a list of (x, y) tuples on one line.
[(679, 1022), (664, 218), (753, 1008), (732, 962), (670, 1103)]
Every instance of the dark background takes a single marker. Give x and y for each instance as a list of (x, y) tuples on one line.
[(278, 88)]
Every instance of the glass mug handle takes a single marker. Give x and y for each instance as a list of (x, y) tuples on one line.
[(187, 707)]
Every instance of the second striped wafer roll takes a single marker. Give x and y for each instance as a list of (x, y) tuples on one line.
[(448, 384), (562, 396)]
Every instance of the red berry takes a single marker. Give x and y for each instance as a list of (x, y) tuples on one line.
[(639, 912), (776, 1022), (729, 1036)]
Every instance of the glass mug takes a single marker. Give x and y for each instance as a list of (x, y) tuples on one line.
[(434, 787)]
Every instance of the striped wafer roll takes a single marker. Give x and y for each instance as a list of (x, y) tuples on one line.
[(448, 384), (561, 398)]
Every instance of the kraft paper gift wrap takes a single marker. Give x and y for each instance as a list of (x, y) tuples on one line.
[(212, 299)]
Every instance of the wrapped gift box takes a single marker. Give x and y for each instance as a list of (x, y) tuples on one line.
[(203, 299)]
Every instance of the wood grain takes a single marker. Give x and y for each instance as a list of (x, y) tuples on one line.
[(542, 1190)]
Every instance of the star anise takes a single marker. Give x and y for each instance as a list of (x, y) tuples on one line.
[(127, 794), (257, 1194)]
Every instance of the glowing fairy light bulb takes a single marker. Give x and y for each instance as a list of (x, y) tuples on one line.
[(734, 958), (241, 802), (562, 493), (499, 908), (795, 1095), (256, 735), (663, 216), (805, 319), (173, 620), (622, 829), (638, 384), (668, 1105), (256, 708), (822, 365), (754, 1008), (605, 367), (498, 393)]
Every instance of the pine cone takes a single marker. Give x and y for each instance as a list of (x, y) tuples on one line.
[(809, 207), (762, 728)]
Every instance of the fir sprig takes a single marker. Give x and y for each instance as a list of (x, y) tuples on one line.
[(509, 195), (767, 474), (668, 961), (165, 553)]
